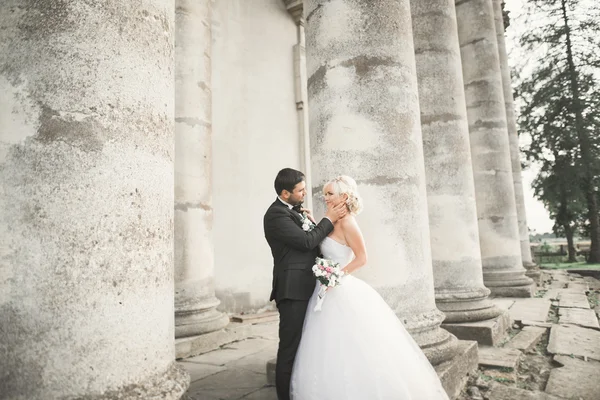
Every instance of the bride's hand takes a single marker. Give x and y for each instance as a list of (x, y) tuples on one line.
[(308, 214)]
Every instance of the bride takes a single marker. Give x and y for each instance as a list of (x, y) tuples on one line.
[(356, 348)]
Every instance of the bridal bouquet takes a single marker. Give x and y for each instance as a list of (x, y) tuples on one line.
[(329, 274)]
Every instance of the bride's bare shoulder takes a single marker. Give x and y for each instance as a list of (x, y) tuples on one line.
[(348, 222)]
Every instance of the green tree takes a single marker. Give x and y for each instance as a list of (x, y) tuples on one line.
[(562, 199), (560, 109)]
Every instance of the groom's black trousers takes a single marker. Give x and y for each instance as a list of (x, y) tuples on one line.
[(291, 321)]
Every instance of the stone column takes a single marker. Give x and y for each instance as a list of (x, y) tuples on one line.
[(195, 301), (459, 289), (503, 272), (86, 200), (513, 139), (364, 122)]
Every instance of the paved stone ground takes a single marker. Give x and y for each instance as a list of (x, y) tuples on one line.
[(235, 371), (559, 363), (558, 336)]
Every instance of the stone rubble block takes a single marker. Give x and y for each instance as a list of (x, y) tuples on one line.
[(526, 339), (454, 373), (502, 392), (530, 309), (578, 316), (498, 357), (526, 322), (576, 379), (578, 285), (573, 300), (504, 303), (574, 340)]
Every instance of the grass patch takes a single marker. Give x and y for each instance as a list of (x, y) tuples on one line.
[(577, 265)]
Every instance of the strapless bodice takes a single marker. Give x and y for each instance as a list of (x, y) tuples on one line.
[(336, 251)]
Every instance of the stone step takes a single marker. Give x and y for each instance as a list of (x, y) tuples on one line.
[(526, 339), (576, 379), (501, 392), (574, 340), (488, 332), (498, 357), (573, 300), (578, 316)]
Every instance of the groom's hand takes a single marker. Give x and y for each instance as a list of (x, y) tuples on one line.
[(337, 212), (309, 215)]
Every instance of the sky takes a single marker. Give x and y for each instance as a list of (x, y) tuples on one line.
[(537, 216)]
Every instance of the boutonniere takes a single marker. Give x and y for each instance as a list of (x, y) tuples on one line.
[(307, 224)]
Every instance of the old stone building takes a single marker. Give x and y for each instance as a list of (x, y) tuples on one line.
[(139, 141)]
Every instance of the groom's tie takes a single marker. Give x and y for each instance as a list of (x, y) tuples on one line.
[(297, 208)]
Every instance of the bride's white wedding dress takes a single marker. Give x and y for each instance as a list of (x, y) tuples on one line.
[(356, 348)]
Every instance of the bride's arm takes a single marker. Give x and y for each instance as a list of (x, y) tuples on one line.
[(355, 241)]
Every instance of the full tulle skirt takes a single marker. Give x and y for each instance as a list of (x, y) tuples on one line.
[(356, 348)]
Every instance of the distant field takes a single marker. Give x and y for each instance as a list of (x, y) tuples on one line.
[(577, 265)]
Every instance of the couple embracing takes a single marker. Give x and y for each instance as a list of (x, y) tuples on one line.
[(354, 347)]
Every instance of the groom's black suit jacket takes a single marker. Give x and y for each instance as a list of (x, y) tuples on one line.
[(294, 251)]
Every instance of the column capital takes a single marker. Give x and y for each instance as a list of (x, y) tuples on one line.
[(296, 10)]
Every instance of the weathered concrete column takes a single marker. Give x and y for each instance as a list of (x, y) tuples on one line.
[(457, 272), (513, 139), (195, 301), (503, 272), (364, 122), (86, 200)]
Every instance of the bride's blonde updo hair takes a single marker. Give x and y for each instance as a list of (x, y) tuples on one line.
[(343, 184)]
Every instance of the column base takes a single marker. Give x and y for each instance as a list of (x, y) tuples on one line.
[(170, 385), (488, 332), (198, 322), (466, 305), (437, 344), (442, 350), (454, 373), (513, 291), (508, 282)]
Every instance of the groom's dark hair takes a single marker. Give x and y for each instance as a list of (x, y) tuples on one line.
[(287, 179)]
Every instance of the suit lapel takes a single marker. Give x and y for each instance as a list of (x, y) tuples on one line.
[(293, 213)]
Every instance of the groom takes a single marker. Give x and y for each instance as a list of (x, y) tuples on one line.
[(294, 250)]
